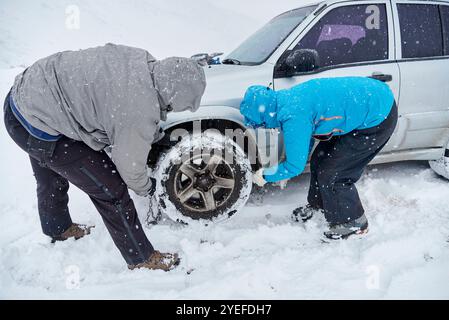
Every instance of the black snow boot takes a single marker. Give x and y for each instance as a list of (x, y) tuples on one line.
[(345, 230), (305, 213)]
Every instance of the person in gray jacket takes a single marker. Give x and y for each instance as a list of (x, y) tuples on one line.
[(66, 109)]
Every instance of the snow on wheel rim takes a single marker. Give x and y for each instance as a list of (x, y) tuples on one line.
[(211, 141)]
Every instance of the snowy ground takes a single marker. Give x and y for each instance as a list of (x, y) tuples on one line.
[(260, 253)]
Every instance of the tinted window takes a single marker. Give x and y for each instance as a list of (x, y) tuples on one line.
[(420, 30), (349, 34), (445, 21)]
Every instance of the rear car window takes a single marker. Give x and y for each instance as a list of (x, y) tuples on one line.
[(445, 23), (421, 34)]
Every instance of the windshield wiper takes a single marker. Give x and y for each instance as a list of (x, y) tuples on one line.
[(231, 61)]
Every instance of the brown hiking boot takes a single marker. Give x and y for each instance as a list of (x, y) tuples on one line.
[(76, 231), (159, 261)]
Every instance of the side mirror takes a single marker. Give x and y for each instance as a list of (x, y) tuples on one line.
[(205, 59), (301, 60)]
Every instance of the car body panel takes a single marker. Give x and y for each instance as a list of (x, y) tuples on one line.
[(226, 84), (424, 98)]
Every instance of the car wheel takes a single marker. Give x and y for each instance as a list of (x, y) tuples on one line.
[(203, 178)]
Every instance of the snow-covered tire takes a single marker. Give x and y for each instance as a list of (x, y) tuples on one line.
[(203, 178), (441, 166)]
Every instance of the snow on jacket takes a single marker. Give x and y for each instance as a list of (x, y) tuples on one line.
[(111, 95), (328, 106)]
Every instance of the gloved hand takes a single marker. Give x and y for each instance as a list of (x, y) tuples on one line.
[(153, 187), (281, 184), (258, 178), (154, 214)]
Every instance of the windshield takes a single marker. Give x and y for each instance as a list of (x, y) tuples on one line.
[(257, 48)]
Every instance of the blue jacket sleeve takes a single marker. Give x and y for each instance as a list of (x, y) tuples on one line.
[(297, 139)]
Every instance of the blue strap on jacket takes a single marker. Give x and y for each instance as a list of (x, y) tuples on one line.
[(318, 107), (35, 132)]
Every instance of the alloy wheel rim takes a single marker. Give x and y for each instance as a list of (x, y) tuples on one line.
[(204, 183)]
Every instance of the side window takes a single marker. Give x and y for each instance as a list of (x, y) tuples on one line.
[(349, 34), (445, 22), (420, 30)]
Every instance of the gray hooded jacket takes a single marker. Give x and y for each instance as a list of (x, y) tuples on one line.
[(109, 96)]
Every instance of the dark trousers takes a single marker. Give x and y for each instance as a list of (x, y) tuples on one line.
[(55, 164), (337, 164)]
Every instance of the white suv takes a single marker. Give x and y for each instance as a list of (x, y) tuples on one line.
[(403, 43)]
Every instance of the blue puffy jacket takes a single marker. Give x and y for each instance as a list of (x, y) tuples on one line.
[(330, 106)]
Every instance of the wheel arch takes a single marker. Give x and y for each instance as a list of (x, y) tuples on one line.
[(222, 121)]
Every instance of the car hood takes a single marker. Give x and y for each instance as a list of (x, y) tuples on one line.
[(227, 84)]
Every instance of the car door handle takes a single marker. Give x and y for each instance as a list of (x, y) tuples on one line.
[(382, 77)]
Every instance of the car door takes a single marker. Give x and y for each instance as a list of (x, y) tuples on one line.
[(423, 60), (350, 39)]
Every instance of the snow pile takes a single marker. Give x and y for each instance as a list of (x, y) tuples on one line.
[(259, 253)]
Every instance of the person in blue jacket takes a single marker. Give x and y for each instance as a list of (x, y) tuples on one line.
[(352, 117)]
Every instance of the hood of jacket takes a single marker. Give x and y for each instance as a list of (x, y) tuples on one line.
[(180, 83), (260, 108)]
